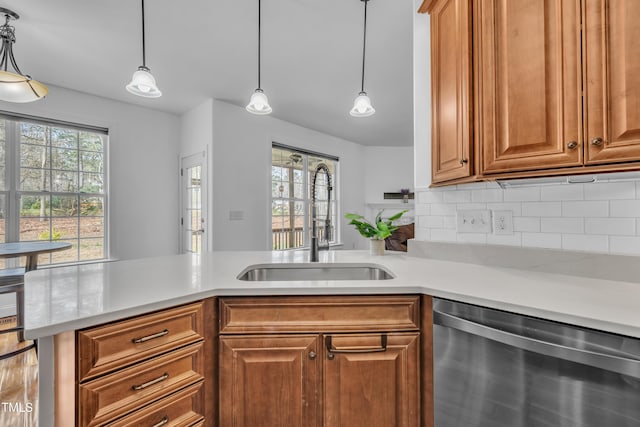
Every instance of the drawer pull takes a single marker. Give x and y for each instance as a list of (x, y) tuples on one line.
[(150, 383), (331, 350), (162, 422), (150, 337)]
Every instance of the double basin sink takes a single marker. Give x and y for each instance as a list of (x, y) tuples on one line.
[(314, 271)]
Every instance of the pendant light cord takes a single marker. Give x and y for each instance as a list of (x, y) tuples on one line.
[(144, 62), (259, 39), (364, 42)]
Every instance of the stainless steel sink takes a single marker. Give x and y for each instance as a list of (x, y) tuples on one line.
[(314, 271)]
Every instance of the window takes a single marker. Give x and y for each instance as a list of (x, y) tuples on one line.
[(291, 177), (52, 187)]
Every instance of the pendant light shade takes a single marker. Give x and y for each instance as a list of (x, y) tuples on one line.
[(143, 83), (362, 105), (15, 86), (259, 104)]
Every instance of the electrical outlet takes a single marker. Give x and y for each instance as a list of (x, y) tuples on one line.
[(474, 221), (502, 222)]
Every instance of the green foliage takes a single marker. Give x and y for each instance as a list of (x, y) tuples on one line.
[(379, 230), (55, 235)]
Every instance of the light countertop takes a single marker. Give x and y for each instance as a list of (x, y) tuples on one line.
[(70, 298)]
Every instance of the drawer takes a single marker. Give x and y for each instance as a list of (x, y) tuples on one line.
[(114, 395), (106, 348), (182, 409), (319, 314)]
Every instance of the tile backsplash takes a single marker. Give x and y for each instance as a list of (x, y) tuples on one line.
[(602, 217)]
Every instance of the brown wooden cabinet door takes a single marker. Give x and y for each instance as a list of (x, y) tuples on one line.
[(528, 84), (612, 80), (450, 90), (269, 381), (372, 389)]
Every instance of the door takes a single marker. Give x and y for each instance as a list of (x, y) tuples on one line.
[(193, 190), (612, 81), (450, 86), (528, 84), (269, 381), (372, 380)]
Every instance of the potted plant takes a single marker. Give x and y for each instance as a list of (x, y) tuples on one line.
[(376, 232)]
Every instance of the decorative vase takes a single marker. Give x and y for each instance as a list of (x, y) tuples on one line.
[(376, 247), (405, 198)]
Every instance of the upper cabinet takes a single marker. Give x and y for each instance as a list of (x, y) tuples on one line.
[(548, 87)]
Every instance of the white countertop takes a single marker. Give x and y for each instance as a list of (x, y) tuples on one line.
[(70, 298)]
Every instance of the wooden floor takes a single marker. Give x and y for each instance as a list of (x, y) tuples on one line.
[(18, 382)]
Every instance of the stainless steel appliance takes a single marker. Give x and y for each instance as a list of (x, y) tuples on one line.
[(495, 369)]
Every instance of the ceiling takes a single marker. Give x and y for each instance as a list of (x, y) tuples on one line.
[(200, 49)]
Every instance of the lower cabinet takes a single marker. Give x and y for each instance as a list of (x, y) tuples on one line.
[(299, 363)]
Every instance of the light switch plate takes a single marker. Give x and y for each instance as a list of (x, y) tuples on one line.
[(474, 221)]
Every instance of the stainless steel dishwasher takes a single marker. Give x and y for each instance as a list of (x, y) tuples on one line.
[(493, 369)]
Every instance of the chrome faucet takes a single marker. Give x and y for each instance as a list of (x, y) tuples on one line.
[(315, 247)]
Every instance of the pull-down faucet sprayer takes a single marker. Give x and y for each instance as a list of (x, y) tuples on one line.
[(327, 225)]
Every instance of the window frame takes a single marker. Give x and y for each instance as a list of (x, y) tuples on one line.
[(306, 200), (13, 192)]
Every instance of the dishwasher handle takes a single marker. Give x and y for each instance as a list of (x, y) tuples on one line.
[(621, 365)]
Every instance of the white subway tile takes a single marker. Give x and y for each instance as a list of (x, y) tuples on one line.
[(541, 209), (449, 222), (637, 189), (542, 240), (514, 207), (612, 226), (422, 234), (626, 245), (430, 196), (443, 209), (625, 208), (585, 243), (443, 235), (610, 191), (526, 223), (586, 209), (472, 238), (422, 209), (467, 206), (562, 192), (638, 226), (431, 222), (457, 196), (562, 225), (514, 239), (523, 194), (487, 195)]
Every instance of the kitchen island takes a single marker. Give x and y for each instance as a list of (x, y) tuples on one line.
[(70, 298)]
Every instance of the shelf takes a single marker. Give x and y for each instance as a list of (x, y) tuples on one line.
[(391, 205)]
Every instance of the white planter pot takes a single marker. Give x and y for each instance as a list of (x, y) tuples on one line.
[(376, 247)]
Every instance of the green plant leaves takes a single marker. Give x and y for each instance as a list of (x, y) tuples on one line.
[(380, 231)]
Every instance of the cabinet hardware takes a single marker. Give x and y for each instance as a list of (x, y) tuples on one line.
[(312, 355), (331, 351), (572, 144), (162, 422), (150, 383), (597, 141), (150, 337), (463, 161)]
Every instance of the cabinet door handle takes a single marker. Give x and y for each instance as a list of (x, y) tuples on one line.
[(572, 144), (597, 141), (150, 383), (463, 161), (332, 350), (312, 355), (162, 422), (150, 337)]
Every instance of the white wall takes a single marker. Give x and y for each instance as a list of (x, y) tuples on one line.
[(142, 168), (602, 217), (241, 175), (387, 170)]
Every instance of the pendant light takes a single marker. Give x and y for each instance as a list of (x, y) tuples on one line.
[(362, 105), (259, 104), (143, 83), (15, 86)]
